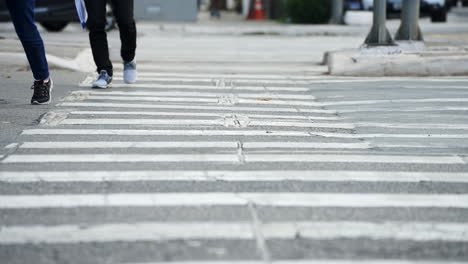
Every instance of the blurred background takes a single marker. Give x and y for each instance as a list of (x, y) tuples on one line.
[(55, 15)]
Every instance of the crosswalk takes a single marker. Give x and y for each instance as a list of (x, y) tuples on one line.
[(248, 168)]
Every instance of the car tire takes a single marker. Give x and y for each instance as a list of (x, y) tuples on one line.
[(54, 26), (465, 2), (439, 15)]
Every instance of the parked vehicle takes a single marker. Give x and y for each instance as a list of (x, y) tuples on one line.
[(55, 15), (436, 9)]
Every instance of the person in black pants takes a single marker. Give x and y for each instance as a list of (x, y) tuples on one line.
[(22, 15), (123, 11)]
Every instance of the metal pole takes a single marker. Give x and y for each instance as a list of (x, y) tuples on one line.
[(409, 29), (337, 12), (379, 34)]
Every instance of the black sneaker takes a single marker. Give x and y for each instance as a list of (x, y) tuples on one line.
[(42, 92)]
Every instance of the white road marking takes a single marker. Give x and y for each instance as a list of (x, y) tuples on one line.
[(11, 146), (304, 145), (163, 231), (351, 200), (172, 122), (413, 109), (250, 158), (210, 80), (444, 87), (145, 132), (450, 126), (189, 144), (205, 122), (218, 76), (133, 158), (208, 94), (166, 87), (354, 158), (382, 135), (234, 176), (198, 107), (204, 114), (313, 261), (392, 101), (266, 101), (126, 144), (140, 132)]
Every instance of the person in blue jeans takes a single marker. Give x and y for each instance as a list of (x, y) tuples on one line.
[(22, 15)]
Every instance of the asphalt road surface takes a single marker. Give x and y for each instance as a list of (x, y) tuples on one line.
[(241, 156)]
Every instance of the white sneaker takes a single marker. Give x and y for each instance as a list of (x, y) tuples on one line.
[(103, 81), (130, 73)]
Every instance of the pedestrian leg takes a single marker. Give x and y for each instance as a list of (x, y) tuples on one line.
[(22, 15)]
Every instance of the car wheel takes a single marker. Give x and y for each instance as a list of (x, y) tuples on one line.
[(439, 15), (110, 18), (465, 2), (54, 26)]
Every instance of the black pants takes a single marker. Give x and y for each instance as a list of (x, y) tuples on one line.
[(123, 11)]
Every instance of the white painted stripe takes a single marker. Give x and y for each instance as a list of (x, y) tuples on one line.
[(134, 158), (413, 109), (218, 76), (210, 80), (444, 87), (301, 124), (189, 144), (391, 101), (11, 146), (233, 176), (141, 132), (125, 144), (443, 126), (202, 100), (313, 261), (354, 158), (228, 88), (381, 135), (207, 94), (305, 145), (204, 114), (163, 231), (351, 200), (195, 122), (99, 158), (197, 107), (172, 122)]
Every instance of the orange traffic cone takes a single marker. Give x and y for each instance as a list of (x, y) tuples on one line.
[(258, 10)]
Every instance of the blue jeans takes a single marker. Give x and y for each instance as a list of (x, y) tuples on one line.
[(22, 15)]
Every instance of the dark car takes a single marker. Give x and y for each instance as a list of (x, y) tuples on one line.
[(55, 15), (435, 9)]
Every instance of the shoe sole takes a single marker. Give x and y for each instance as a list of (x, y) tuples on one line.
[(130, 82), (101, 87), (50, 95)]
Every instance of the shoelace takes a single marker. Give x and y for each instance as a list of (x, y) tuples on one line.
[(40, 89), (129, 66), (102, 76)]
